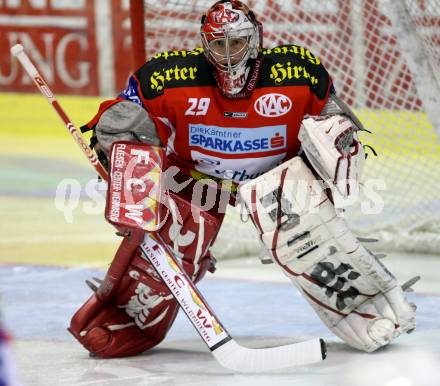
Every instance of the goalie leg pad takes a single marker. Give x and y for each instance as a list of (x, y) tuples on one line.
[(348, 287), (132, 310), (136, 319)]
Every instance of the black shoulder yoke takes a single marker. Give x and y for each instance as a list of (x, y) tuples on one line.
[(174, 69), (292, 65)]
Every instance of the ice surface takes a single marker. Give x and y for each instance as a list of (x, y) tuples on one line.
[(260, 309)]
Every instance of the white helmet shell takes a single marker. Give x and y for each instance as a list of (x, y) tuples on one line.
[(230, 37)]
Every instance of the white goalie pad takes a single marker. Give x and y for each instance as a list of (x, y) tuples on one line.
[(332, 146), (347, 286)]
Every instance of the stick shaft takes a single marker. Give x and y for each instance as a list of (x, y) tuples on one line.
[(39, 81), (199, 313)]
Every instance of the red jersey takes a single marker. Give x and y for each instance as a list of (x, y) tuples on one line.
[(224, 138)]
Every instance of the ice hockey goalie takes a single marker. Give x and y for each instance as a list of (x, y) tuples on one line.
[(234, 111)]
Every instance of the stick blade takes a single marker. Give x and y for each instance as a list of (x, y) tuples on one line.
[(241, 359)]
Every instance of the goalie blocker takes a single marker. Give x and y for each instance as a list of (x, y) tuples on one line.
[(347, 286)]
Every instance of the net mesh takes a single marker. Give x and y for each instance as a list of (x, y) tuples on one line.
[(358, 43)]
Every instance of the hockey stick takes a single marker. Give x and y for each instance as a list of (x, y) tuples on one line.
[(18, 51), (225, 349)]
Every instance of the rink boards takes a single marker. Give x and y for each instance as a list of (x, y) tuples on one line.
[(38, 155)]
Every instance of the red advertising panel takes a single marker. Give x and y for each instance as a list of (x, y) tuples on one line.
[(354, 39), (59, 37)]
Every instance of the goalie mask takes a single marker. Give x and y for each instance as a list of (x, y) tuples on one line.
[(231, 39)]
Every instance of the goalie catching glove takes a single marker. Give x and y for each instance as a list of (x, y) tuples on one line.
[(332, 146), (347, 286)]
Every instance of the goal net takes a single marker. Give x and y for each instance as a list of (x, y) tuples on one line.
[(384, 58)]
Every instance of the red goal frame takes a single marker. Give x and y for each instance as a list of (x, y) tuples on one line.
[(137, 21)]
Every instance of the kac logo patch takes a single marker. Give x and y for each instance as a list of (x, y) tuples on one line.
[(272, 105)]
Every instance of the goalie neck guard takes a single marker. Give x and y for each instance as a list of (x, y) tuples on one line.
[(231, 38)]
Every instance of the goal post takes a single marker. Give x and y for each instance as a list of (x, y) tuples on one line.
[(137, 29), (384, 58)]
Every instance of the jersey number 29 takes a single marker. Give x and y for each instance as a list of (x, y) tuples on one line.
[(198, 106)]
